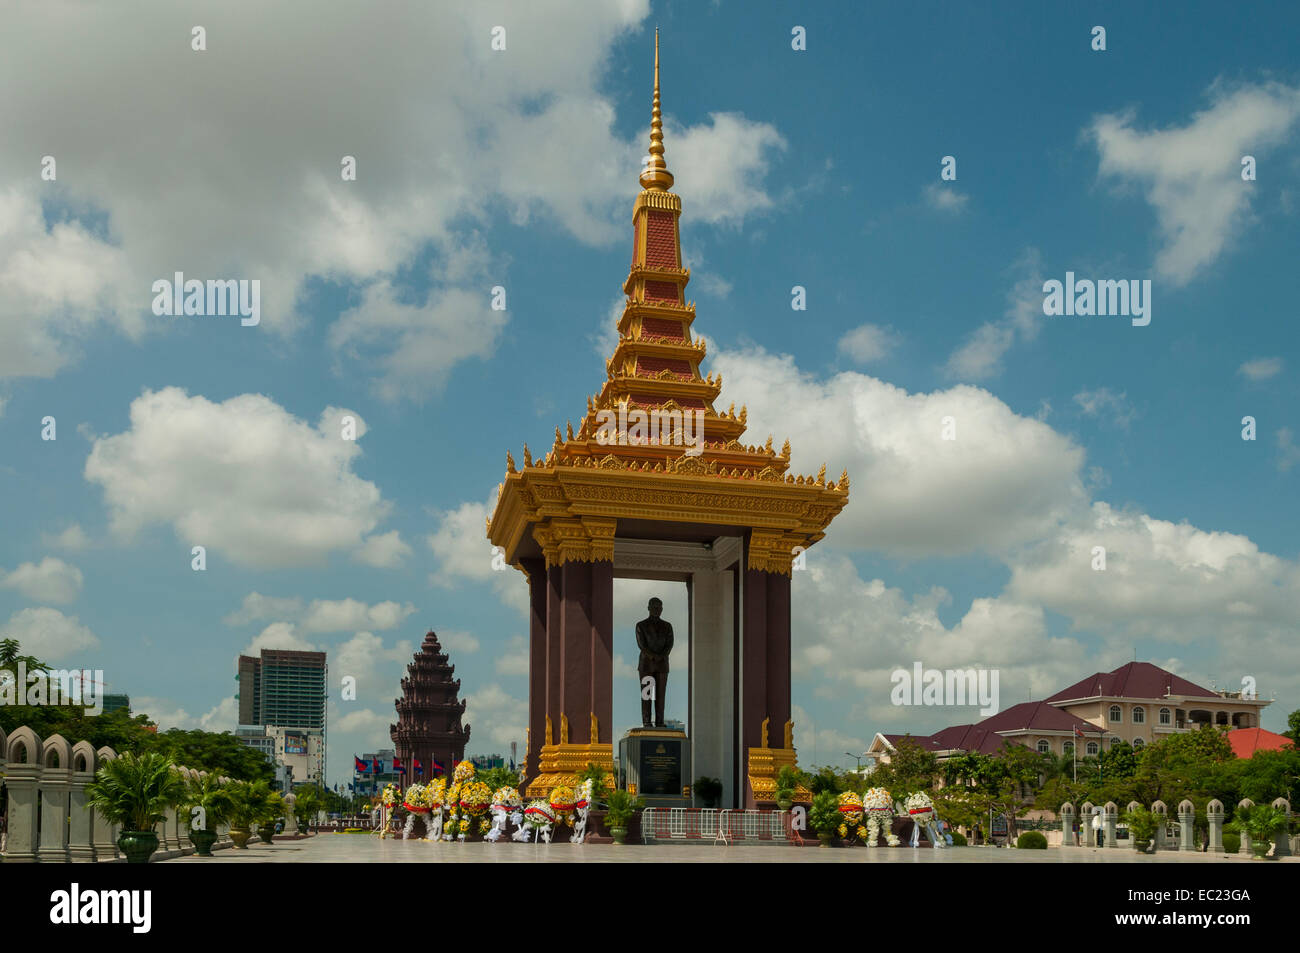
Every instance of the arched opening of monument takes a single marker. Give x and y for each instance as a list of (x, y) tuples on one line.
[(631, 601)]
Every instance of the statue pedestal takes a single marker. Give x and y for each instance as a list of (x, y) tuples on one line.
[(656, 763)]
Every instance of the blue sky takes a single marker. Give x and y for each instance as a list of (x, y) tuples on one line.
[(517, 168)]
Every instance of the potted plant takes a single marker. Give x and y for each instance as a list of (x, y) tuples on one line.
[(621, 807), (709, 790), (1263, 823), (1141, 827), (825, 816), (207, 794), (271, 815), (134, 791), (787, 780), (248, 802)]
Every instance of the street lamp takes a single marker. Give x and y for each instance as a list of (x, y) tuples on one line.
[(858, 758)]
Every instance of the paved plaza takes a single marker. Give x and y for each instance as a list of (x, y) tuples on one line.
[(369, 849)]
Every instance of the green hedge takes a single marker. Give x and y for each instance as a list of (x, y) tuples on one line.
[(1031, 840), (1231, 843), (958, 840)]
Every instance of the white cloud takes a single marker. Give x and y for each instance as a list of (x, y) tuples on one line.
[(412, 347), (52, 580), (1191, 174), (224, 717), (459, 643), (1005, 480), (496, 717), (944, 198), (338, 615), (1261, 369), (48, 634), (1105, 403), (257, 607), (1163, 580), (383, 550), (365, 722), (980, 357), (244, 477), (868, 342), (513, 660), (1288, 453), (73, 539), (459, 142), (279, 635), (719, 166)]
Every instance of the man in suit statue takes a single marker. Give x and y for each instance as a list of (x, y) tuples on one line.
[(654, 637)]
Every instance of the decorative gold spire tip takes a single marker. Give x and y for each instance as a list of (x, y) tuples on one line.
[(655, 175)]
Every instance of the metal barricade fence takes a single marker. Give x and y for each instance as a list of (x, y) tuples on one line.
[(725, 826)]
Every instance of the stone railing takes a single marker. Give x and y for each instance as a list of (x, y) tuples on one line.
[(1184, 816), (48, 820)]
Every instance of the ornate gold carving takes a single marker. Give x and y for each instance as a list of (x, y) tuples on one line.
[(789, 734), (548, 731), (765, 721), (595, 729), (564, 728)]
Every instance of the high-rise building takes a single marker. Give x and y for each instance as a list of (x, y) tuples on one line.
[(283, 687), (285, 690)]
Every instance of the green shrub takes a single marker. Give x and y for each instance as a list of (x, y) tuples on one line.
[(709, 790), (1030, 840), (958, 840), (825, 814), (1231, 842)]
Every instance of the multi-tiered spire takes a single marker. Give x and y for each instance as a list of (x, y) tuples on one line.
[(655, 366), (642, 472), (428, 728)]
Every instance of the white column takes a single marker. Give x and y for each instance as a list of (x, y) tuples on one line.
[(54, 814), (22, 778), (712, 679)]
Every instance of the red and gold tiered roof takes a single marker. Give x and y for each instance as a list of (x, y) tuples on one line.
[(572, 497)]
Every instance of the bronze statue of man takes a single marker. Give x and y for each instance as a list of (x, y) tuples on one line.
[(654, 637)]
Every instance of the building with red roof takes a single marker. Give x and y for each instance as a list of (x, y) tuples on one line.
[(1246, 741), (1138, 703)]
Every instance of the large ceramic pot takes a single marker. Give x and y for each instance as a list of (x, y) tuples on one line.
[(1260, 850), (825, 837), (784, 804), (240, 836), (267, 833), (619, 834), (138, 846), (203, 841)]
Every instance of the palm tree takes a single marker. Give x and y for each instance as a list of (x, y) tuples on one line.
[(135, 791)]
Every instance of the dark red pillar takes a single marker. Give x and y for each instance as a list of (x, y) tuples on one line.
[(554, 653), (753, 662), (602, 649), (575, 634), (537, 580), (778, 655)]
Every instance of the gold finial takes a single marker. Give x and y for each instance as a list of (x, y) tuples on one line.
[(528, 457), (655, 175), (510, 463)]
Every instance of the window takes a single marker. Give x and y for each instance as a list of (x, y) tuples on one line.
[(1138, 743), (1092, 748), (1164, 716), (1044, 747), (1115, 740), (1116, 714), (1069, 747), (1139, 715)]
